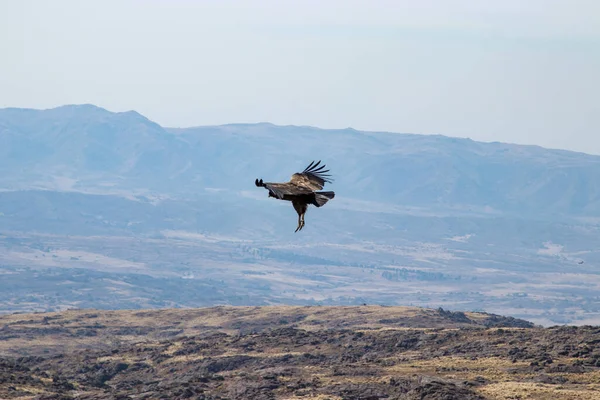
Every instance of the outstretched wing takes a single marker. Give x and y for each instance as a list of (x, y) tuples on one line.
[(286, 189), (311, 178)]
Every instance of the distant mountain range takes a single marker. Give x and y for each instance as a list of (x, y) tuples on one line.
[(84, 147), (503, 208)]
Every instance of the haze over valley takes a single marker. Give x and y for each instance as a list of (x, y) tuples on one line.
[(111, 210)]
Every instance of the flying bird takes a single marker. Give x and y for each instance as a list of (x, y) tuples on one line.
[(302, 190)]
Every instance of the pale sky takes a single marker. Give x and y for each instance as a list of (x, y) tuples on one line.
[(520, 71)]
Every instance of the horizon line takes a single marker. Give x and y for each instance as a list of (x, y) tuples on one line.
[(464, 138)]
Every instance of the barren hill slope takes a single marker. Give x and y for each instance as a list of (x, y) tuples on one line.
[(362, 352)]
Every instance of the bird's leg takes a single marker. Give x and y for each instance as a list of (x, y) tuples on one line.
[(300, 222), (300, 209)]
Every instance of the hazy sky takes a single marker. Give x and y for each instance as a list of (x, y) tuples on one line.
[(506, 70)]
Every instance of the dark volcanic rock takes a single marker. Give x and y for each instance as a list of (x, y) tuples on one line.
[(288, 362), (437, 390)]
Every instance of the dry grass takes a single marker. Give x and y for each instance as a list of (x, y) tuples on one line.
[(366, 346), (538, 391), (494, 369), (190, 322)]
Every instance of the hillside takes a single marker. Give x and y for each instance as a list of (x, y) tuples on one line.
[(123, 213), (363, 352), (86, 146)]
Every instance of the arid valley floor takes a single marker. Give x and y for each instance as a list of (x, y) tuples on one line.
[(288, 352)]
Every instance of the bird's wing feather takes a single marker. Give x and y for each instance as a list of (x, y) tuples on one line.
[(312, 178), (283, 189)]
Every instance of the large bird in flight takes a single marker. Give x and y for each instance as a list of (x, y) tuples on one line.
[(301, 190)]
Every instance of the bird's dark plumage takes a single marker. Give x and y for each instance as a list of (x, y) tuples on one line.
[(302, 190)]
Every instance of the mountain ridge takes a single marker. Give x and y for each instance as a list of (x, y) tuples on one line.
[(426, 220), (90, 106)]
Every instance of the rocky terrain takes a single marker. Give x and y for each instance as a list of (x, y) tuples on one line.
[(359, 352)]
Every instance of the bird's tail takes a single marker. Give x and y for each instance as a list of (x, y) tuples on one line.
[(323, 197)]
